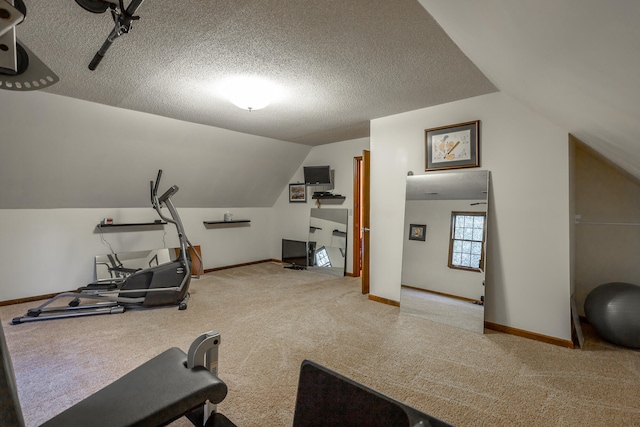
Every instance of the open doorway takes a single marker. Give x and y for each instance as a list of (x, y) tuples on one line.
[(361, 219)]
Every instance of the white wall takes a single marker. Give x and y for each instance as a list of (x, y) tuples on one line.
[(65, 164), (291, 220), (92, 161), (52, 250), (528, 247)]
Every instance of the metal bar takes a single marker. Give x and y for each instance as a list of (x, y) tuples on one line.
[(630, 224), (89, 293), (204, 352), (122, 25), (102, 305), (62, 315)]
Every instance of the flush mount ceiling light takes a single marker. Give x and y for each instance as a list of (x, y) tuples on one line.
[(250, 93)]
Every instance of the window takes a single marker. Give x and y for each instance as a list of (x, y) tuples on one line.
[(466, 246), (322, 258)]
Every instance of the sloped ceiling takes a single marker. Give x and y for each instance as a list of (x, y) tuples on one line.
[(577, 63), (343, 63), (339, 63)]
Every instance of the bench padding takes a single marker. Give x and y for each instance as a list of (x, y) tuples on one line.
[(154, 394)]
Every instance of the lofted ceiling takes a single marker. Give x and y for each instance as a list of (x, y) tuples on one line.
[(339, 63), (342, 63)]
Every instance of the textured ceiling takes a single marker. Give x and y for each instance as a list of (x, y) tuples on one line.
[(340, 63)]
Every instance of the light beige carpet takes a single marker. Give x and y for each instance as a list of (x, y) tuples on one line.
[(442, 309), (272, 318)]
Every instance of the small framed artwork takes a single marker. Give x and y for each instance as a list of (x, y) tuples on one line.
[(453, 146), (417, 232), (297, 193)]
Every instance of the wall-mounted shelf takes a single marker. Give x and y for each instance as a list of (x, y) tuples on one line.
[(330, 200), (328, 197), (129, 224), (235, 221)]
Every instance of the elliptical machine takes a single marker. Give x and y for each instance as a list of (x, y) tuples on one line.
[(164, 284)]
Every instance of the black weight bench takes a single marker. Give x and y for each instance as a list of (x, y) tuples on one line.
[(167, 387), (174, 384), (326, 398)]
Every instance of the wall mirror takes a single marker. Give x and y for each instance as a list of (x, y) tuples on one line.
[(444, 247), (328, 241)]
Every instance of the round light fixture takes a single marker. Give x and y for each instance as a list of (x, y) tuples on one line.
[(250, 93)]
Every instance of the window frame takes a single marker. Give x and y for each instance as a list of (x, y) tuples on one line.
[(454, 215)]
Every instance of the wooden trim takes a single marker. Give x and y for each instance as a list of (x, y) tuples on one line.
[(506, 329), (357, 226), (531, 335), (365, 207), (29, 299), (209, 270), (488, 325), (48, 296), (441, 293), (195, 265), (384, 300)]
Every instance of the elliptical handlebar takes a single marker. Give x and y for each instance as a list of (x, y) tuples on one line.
[(157, 202), (165, 199), (170, 192), (155, 189)]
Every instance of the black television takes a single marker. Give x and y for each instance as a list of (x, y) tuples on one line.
[(294, 254), (317, 175)]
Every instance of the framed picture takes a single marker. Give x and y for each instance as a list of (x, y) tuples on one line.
[(297, 193), (417, 232), (453, 147)]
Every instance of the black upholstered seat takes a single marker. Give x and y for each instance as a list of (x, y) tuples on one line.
[(154, 394)]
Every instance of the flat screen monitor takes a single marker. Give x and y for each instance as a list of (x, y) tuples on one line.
[(326, 398), (317, 175), (294, 254)]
